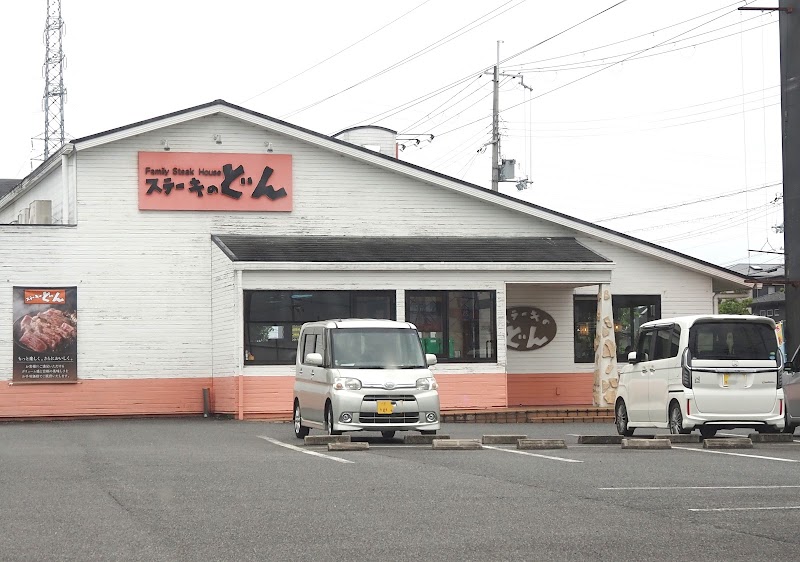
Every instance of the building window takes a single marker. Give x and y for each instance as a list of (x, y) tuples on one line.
[(769, 312), (762, 312), (630, 312), (272, 319), (456, 326)]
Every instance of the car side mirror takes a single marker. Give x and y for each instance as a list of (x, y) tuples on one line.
[(431, 359), (789, 367), (314, 359), (632, 357)]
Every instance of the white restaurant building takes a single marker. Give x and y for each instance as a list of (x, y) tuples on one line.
[(193, 245)]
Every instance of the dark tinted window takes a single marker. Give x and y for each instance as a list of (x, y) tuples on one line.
[(732, 340), (272, 319), (645, 345), (667, 342)]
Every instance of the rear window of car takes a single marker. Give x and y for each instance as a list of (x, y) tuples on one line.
[(732, 340)]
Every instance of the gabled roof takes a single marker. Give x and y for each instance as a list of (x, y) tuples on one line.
[(405, 249), (772, 298), (761, 272), (725, 279), (7, 185)]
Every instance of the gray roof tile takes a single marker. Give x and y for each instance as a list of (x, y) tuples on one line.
[(405, 249)]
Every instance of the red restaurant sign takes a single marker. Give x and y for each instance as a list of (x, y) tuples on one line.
[(193, 181)]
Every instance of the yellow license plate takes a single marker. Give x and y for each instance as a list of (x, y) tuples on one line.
[(725, 379), (385, 407)]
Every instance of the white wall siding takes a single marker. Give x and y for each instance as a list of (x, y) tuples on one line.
[(682, 291), (224, 323), (157, 299), (40, 256), (50, 188), (557, 356)]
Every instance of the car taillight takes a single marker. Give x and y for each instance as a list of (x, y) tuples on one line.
[(686, 372)]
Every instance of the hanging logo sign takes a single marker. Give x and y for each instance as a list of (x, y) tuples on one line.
[(193, 181), (45, 334), (528, 328)]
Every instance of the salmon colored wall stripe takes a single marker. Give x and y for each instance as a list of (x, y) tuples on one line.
[(104, 397), (269, 397), (458, 392), (558, 389)]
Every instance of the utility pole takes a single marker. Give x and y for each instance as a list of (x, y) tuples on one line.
[(496, 124), (789, 29)]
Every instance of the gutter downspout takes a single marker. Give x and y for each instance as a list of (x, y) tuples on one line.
[(65, 183)]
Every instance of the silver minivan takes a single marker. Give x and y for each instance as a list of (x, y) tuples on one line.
[(703, 372), (363, 374)]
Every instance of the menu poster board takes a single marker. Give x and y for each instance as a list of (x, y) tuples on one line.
[(45, 334)]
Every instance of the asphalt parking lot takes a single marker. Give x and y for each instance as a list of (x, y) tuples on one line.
[(192, 489)]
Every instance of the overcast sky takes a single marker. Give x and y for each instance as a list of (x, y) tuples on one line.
[(690, 111)]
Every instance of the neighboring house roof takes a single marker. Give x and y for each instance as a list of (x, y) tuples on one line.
[(727, 278), (778, 297), (761, 272), (7, 185), (449, 249)]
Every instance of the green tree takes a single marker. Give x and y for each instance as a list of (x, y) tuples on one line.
[(735, 306)]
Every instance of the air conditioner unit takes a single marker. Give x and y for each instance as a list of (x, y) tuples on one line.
[(41, 212), (22, 217)]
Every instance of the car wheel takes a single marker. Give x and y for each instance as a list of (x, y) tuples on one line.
[(676, 420), (621, 419), (708, 432), (428, 431), (387, 434), (329, 421), (300, 431)]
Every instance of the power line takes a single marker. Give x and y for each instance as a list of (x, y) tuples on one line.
[(433, 112), (691, 202), (648, 34), (570, 66), (436, 44), (335, 54), (611, 65), (408, 105), (735, 114)]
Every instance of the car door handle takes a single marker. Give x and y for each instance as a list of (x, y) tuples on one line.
[(644, 371), (652, 370)]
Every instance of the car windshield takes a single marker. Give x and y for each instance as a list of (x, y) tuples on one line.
[(376, 348), (733, 340)]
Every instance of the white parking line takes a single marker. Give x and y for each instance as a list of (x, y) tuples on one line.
[(301, 450), (529, 454), (746, 508), (701, 487), (735, 454)]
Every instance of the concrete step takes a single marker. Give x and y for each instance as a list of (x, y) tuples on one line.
[(349, 446), (728, 443), (771, 437), (456, 444), (502, 439), (325, 439), (422, 439), (541, 444), (629, 443)]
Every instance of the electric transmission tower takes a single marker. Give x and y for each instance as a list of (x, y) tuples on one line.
[(54, 92)]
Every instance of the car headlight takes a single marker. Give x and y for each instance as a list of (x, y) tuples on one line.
[(340, 383), (427, 383)]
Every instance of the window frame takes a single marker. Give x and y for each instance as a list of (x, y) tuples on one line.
[(617, 302), (287, 325), (445, 296)]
